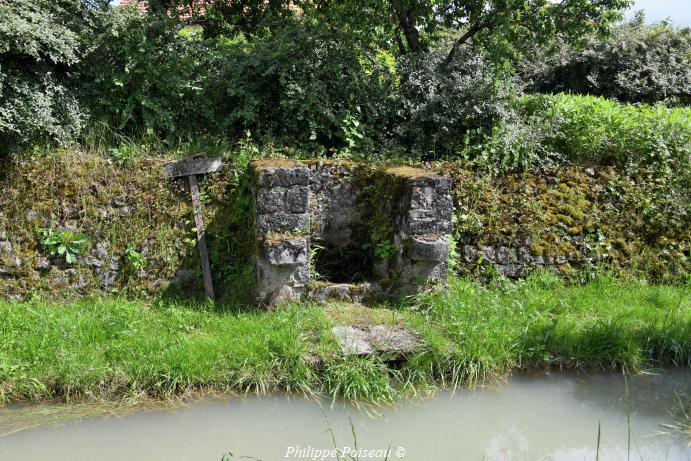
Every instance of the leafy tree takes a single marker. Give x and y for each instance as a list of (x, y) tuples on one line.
[(502, 27), (225, 17), (147, 76)]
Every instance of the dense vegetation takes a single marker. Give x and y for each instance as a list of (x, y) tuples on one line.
[(567, 131), (111, 348), (331, 79)]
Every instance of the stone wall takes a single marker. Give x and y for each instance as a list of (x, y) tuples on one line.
[(121, 209), (327, 229), (422, 215), (281, 201), (414, 206)]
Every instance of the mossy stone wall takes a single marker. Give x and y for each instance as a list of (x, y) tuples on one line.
[(573, 220)]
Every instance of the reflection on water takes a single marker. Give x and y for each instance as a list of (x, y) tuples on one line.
[(552, 417)]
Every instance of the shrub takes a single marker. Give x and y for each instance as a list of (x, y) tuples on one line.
[(305, 84), (146, 76), (41, 41), (441, 107), (638, 63)]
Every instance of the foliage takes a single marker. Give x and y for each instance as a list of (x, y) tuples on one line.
[(41, 42), (592, 130), (145, 77), (502, 28), (134, 260), (64, 243), (637, 63), (305, 85), (440, 108)]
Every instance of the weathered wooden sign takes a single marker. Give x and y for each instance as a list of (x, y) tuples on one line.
[(191, 167)]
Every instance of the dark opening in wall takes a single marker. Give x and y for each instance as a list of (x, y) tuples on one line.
[(350, 264)]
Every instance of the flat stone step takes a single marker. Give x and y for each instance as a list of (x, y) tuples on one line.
[(323, 292), (391, 342)]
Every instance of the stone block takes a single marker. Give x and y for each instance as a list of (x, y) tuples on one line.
[(282, 222), (421, 273), (284, 295), (470, 254), (271, 200), (422, 249), (8, 257), (42, 263), (297, 199), (350, 292), (427, 222), (488, 253), (525, 256), (273, 279), (283, 176), (506, 255), (510, 270), (428, 197), (440, 183), (285, 252)]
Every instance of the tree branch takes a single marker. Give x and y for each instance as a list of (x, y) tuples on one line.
[(412, 36), (470, 33)]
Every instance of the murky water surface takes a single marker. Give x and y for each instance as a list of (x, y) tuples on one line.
[(553, 417)]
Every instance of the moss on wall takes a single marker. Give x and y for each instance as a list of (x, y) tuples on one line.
[(582, 219), (120, 207), (596, 217)]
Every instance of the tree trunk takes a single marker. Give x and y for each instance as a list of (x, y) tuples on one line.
[(407, 25)]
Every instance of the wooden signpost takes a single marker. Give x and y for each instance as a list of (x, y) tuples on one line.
[(191, 167)]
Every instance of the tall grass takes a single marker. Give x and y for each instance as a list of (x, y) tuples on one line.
[(114, 348), (477, 331), (594, 130)]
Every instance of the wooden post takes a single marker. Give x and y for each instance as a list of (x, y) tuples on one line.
[(191, 167), (201, 237)]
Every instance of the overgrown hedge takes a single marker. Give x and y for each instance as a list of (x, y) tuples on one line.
[(101, 72), (594, 130)]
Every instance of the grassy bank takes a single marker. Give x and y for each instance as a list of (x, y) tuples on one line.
[(112, 348)]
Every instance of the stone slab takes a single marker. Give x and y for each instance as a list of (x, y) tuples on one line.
[(424, 249), (350, 292), (389, 341), (285, 252), (282, 222), (283, 176)]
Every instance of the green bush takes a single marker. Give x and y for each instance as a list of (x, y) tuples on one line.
[(146, 75), (41, 42), (305, 84), (441, 107), (638, 63), (549, 130)]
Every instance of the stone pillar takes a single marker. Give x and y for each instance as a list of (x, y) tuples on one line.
[(281, 202), (424, 224)]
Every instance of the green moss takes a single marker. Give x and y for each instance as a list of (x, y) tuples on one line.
[(123, 206)]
